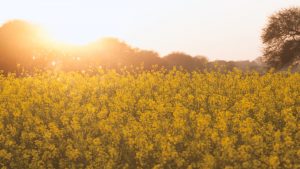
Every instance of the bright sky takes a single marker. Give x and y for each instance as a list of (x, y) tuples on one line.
[(218, 29)]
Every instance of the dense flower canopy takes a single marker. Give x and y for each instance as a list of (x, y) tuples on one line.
[(150, 119)]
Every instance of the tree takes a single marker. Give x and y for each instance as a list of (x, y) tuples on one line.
[(22, 45), (281, 38), (181, 59)]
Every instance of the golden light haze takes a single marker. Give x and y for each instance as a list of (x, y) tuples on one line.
[(227, 30)]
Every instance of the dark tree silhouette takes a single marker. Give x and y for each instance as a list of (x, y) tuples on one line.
[(281, 38), (18, 45), (109, 52), (23, 46), (184, 60), (148, 59)]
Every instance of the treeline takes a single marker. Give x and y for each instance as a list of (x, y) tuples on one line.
[(23, 46)]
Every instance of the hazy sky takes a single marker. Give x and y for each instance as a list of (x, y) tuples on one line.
[(218, 29)]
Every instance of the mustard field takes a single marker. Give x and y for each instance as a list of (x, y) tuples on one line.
[(150, 119)]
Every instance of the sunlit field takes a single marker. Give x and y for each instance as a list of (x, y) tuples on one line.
[(150, 119), (160, 84)]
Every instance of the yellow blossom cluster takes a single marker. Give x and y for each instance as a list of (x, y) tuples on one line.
[(150, 119)]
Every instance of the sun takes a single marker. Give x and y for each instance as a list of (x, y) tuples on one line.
[(72, 36), (69, 37)]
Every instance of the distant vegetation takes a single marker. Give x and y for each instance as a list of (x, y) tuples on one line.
[(24, 46)]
